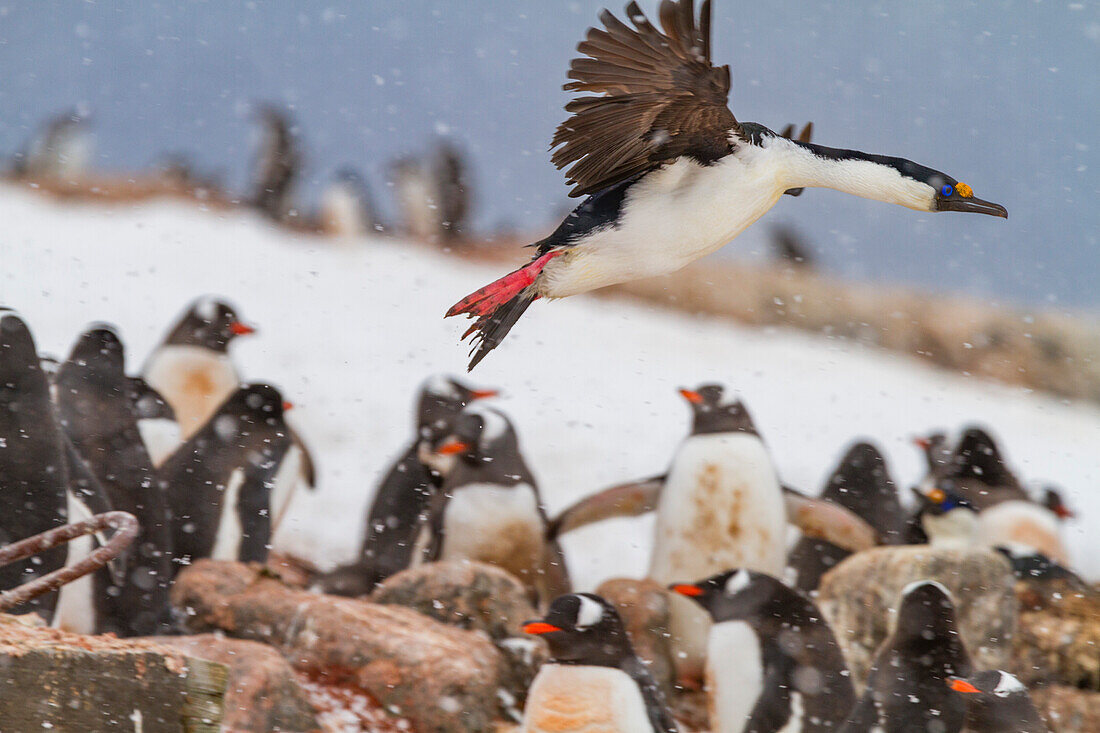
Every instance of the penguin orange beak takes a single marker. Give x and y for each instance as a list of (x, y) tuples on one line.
[(482, 394), (686, 589), (1063, 512), (961, 685), (241, 329), (922, 443), (288, 406), (693, 397), (539, 627), (452, 447)]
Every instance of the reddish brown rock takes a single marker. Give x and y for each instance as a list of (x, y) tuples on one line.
[(1067, 709), (262, 694), (444, 679), (1058, 637), (643, 606), (859, 597)]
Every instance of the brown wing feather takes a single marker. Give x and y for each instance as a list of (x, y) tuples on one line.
[(658, 97)]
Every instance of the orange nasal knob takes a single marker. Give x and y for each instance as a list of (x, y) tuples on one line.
[(539, 627), (686, 589), (453, 447)]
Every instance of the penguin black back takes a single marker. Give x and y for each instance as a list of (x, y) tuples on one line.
[(582, 629), (861, 484), (804, 682), (218, 483), (99, 408), (32, 460), (907, 686)]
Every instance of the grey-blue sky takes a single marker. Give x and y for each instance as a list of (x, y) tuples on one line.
[(1002, 95)]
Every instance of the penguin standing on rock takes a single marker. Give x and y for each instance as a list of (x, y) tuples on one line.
[(907, 686), (32, 461), (402, 499), (997, 702), (594, 682), (978, 472), (100, 416), (489, 508), (219, 482), (862, 484), (773, 663)]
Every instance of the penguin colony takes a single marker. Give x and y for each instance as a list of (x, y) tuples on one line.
[(197, 456)]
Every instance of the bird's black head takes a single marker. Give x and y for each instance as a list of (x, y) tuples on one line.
[(582, 628), (442, 397), (711, 415), (738, 594), (1052, 500), (250, 406), (209, 323), (940, 501)]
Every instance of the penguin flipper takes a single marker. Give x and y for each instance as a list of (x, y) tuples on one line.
[(625, 500), (553, 580), (308, 466), (825, 520)]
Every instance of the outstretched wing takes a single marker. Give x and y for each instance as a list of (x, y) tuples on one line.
[(659, 98)]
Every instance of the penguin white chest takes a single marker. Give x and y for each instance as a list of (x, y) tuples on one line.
[(734, 675), (721, 508), (567, 698), (1022, 523), (495, 524), (227, 544), (194, 380)]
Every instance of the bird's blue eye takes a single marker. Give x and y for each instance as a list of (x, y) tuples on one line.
[(947, 190)]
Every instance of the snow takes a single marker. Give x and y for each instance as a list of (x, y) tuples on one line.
[(349, 333)]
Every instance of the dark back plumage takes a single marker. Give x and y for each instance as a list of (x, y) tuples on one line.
[(659, 98)]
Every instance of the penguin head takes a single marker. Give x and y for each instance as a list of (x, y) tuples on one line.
[(1052, 500), (977, 457), (942, 500), (250, 407), (209, 323), (738, 594), (442, 397), (20, 369), (931, 442), (994, 682), (478, 435), (582, 628), (996, 701), (711, 415), (99, 348)]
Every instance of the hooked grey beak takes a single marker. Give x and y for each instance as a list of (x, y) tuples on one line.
[(971, 204)]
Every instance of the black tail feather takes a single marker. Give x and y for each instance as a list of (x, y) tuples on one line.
[(488, 331)]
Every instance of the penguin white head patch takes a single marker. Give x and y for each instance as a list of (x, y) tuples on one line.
[(495, 424), (441, 386), (207, 309), (738, 582), (589, 613), (1007, 685)]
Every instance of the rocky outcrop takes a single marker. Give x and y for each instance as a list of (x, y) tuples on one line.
[(859, 597), (1067, 709), (643, 606), (262, 694), (1058, 637), (442, 678)]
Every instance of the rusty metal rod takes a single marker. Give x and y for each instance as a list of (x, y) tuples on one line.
[(126, 529)]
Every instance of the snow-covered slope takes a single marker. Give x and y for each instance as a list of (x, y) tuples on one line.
[(349, 332)]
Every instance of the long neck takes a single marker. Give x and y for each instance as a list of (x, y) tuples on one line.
[(869, 176)]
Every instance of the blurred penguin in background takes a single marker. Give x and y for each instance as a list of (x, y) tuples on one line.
[(346, 206), (61, 150), (791, 249), (415, 196), (452, 190), (278, 163)]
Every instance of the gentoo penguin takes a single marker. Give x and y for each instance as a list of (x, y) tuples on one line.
[(667, 173), (944, 519), (594, 682), (99, 412), (191, 368), (937, 454), (1052, 500), (415, 195), (790, 249), (1035, 567), (62, 150), (452, 190), (907, 686), (278, 163), (402, 498), (218, 483), (997, 702), (489, 508), (773, 663), (721, 507), (862, 484), (33, 473), (978, 472), (347, 209)]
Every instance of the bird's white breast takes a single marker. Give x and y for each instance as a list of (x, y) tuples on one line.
[(957, 529), (161, 437), (75, 611), (584, 699), (734, 675), (673, 216), (721, 508), (1016, 523), (494, 524), (227, 545), (194, 380)]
